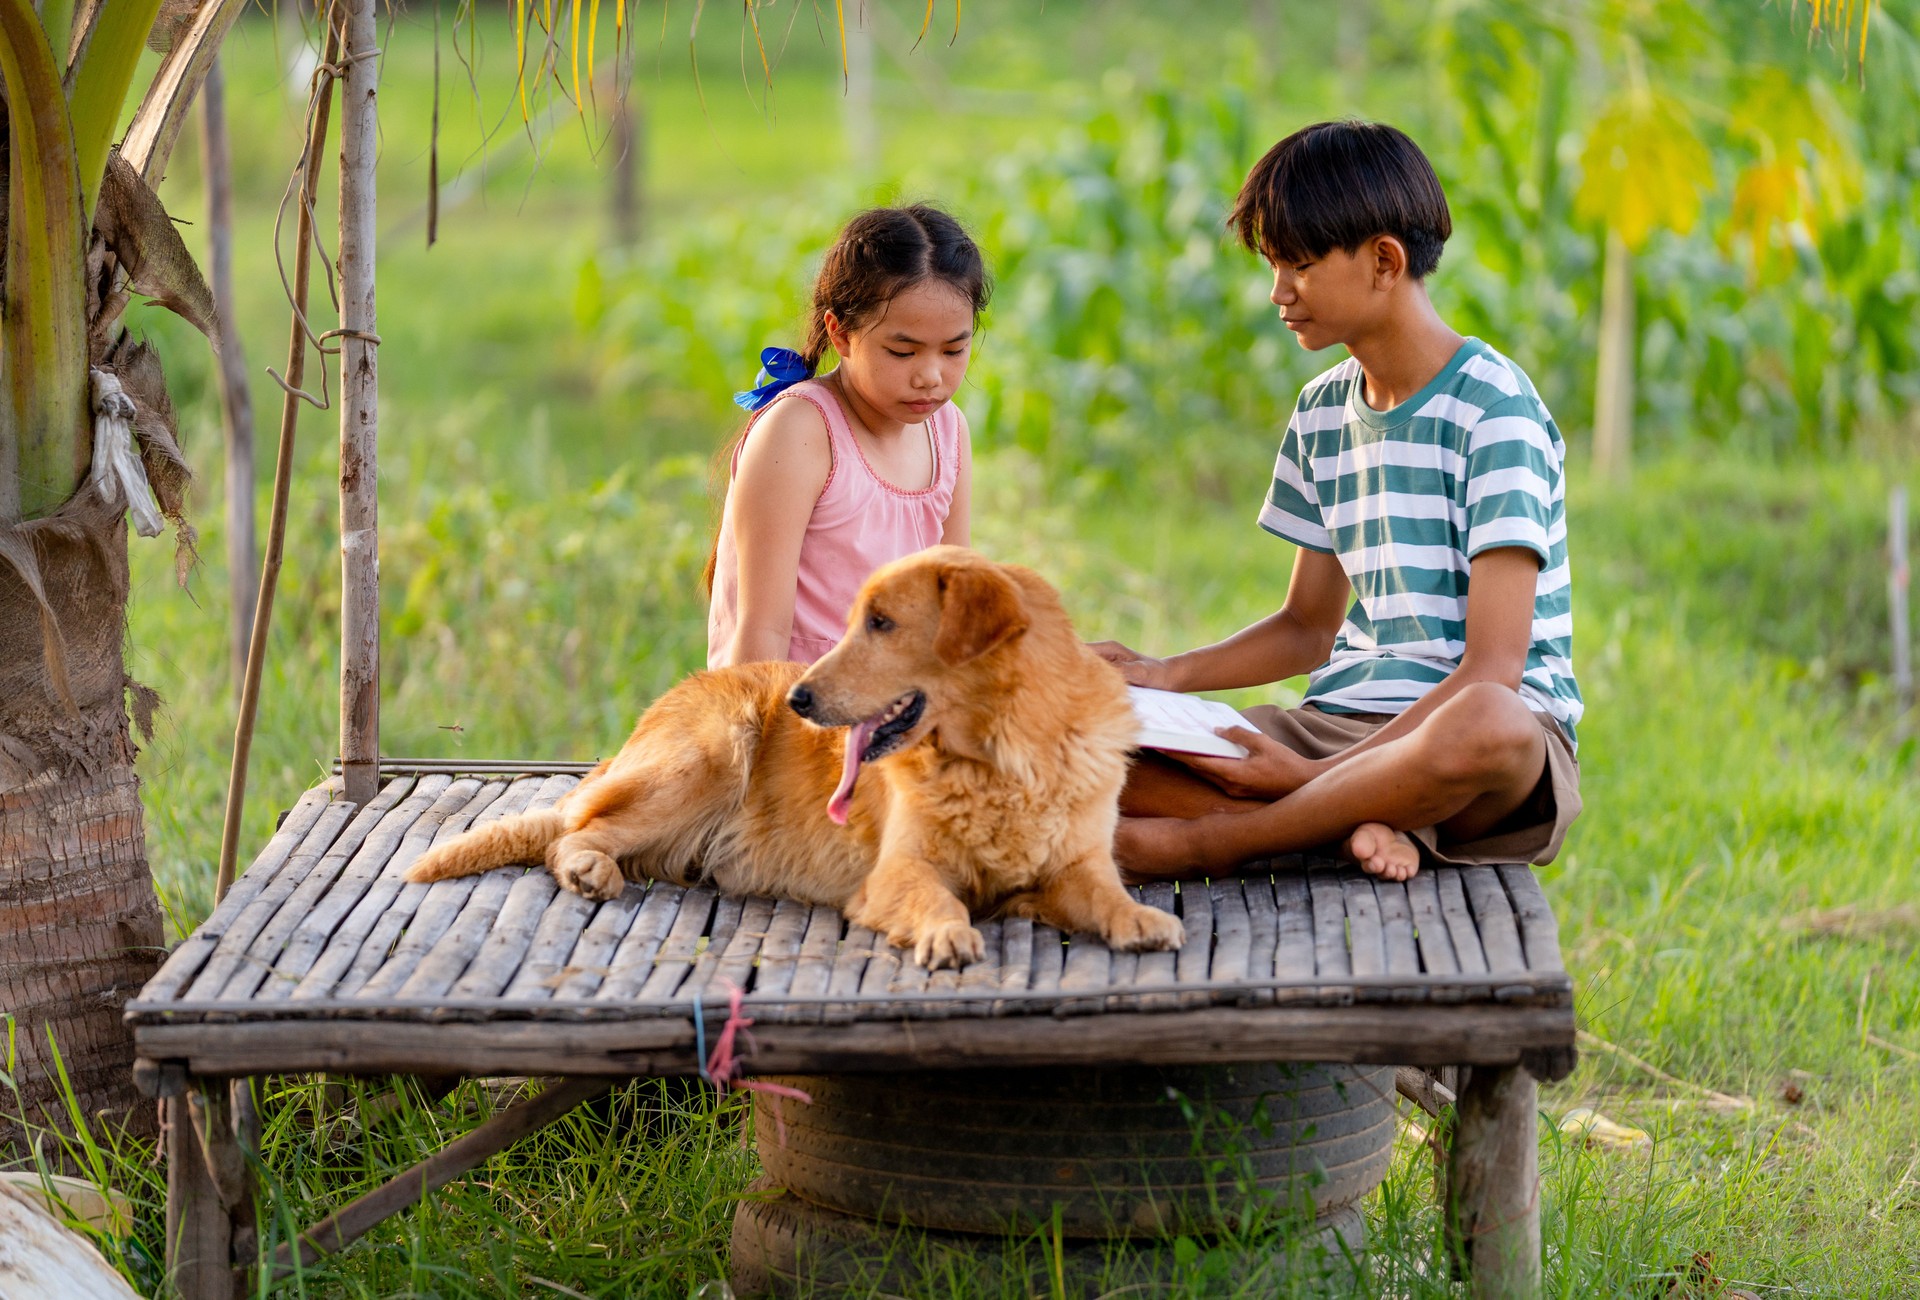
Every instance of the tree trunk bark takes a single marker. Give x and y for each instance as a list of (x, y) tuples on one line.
[(80, 926)]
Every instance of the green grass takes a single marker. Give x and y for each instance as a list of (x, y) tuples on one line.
[(542, 529)]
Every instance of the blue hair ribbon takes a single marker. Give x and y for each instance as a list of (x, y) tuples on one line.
[(780, 369)]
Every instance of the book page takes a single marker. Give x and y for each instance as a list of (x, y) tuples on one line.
[(1185, 724)]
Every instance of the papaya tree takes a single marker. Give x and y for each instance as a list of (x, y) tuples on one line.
[(87, 443)]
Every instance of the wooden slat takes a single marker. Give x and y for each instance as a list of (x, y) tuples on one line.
[(780, 953), (1049, 959), (1387, 1032), (592, 958), (1016, 954), (1539, 932), (632, 963), (1364, 940), (509, 938), (1263, 924), (983, 975), (1154, 967), (234, 952), (1293, 954), (674, 962), (882, 966), (819, 945), (369, 926), (1330, 961), (376, 829), (382, 856), (722, 928), (442, 965), (477, 947), (389, 957), (735, 954), (1436, 944), (1088, 968), (186, 960), (1232, 930), (1195, 958), (941, 985), (1494, 915), (559, 931), (848, 967), (1396, 926), (1459, 918)]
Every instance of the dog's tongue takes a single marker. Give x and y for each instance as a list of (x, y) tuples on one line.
[(857, 737)]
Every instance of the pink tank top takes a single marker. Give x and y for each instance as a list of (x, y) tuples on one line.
[(860, 522)]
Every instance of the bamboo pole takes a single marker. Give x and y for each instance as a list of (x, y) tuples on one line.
[(282, 471), (359, 410), (236, 403)]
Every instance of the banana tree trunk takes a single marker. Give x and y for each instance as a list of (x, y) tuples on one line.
[(80, 926)]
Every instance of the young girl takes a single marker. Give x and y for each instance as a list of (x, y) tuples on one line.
[(835, 476)]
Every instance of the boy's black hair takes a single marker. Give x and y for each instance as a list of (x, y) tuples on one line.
[(1337, 185)]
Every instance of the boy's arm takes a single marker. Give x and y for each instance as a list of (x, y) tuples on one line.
[(1500, 598), (1285, 644)]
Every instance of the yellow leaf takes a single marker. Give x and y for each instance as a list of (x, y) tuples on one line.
[(1601, 1132), (1642, 169)]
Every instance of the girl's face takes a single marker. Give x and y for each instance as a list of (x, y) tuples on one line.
[(909, 360)]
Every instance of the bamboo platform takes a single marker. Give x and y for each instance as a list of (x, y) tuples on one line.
[(322, 958)]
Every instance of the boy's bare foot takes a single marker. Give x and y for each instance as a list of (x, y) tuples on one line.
[(1383, 851)]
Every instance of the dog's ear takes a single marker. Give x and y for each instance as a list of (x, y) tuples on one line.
[(979, 608)]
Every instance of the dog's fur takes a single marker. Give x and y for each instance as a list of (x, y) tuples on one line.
[(999, 797)]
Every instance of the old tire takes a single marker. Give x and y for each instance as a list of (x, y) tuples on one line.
[(785, 1246), (1136, 1151)]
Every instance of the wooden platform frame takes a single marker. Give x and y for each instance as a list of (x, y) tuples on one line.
[(322, 959)]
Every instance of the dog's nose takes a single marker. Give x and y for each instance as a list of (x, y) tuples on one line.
[(800, 700)]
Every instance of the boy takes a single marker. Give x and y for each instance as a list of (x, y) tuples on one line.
[(1423, 475)]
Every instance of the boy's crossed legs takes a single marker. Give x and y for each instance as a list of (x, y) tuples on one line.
[(1466, 769)]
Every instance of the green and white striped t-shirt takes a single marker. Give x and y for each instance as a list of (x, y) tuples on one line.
[(1406, 498)]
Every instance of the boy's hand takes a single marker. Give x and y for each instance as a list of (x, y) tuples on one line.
[(1138, 669), (1269, 771)]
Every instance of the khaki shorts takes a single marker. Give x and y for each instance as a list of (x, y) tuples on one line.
[(1531, 833)]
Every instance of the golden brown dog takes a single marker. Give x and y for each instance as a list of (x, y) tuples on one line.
[(997, 744)]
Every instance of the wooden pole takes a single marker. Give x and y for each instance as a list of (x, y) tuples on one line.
[(1898, 582), (629, 144), (236, 402), (1493, 1184), (209, 1199), (359, 409), (282, 473), (1613, 385)]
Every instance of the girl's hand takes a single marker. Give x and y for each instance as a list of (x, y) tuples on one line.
[(1269, 771), (1138, 669)]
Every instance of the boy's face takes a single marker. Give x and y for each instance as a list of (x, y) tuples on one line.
[(1335, 298)]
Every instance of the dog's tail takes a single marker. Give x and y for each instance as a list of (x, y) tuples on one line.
[(521, 838)]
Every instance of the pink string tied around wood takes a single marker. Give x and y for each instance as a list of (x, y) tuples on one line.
[(723, 1069)]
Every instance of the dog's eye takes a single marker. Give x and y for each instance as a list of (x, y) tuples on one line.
[(878, 622)]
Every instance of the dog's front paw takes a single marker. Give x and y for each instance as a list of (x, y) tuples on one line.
[(590, 874), (950, 943), (1140, 928)]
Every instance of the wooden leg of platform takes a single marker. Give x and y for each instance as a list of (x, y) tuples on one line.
[(210, 1220), (1493, 1184)]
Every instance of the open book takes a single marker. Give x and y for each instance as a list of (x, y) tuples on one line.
[(1185, 724)]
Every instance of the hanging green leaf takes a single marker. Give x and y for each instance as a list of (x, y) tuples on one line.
[(43, 337), (100, 83)]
